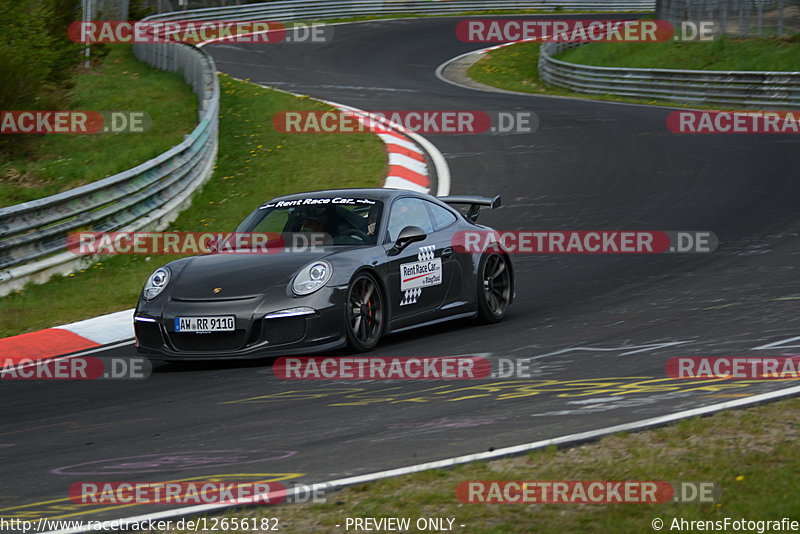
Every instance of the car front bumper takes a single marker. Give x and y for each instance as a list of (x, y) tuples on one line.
[(316, 324)]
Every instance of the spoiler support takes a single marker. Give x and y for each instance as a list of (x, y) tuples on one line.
[(475, 202)]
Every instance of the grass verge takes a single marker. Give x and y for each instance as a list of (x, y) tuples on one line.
[(255, 163), (49, 164), (767, 54), (751, 454), (515, 67), (489, 12)]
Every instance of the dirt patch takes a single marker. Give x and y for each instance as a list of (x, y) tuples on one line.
[(17, 178)]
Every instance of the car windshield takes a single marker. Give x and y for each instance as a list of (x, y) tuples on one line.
[(325, 220)]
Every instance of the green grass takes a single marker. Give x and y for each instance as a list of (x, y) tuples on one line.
[(514, 68), (255, 163), (489, 12), (775, 54), (49, 164), (751, 454)]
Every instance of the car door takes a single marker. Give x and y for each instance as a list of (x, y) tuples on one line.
[(416, 279), (453, 265)]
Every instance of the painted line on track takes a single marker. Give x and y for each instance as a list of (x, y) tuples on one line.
[(443, 177), (570, 439), (443, 189), (438, 160), (100, 348), (439, 163), (439, 73), (407, 170)]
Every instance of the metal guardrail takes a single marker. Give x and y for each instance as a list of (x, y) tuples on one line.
[(736, 17), (33, 235), (288, 10), (733, 88)]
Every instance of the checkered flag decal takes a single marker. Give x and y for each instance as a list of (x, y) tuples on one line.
[(426, 253), (411, 296)]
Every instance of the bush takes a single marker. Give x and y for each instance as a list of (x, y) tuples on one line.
[(36, 57)]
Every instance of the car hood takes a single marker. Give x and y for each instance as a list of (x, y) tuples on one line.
[(239, 275)]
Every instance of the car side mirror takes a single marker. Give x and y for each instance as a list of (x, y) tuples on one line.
[(408, 235), (213, 244)]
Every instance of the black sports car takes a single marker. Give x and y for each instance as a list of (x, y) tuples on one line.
[(361, 263)]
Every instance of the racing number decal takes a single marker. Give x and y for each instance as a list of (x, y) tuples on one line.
[(426, 271)]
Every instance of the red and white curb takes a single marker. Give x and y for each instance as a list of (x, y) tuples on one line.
[(407, 164), (408, 169), (68, 338)]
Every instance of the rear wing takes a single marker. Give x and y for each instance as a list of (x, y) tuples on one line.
[(475, 203)]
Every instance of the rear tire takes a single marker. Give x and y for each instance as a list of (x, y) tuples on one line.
[(494, 288), (365, 313)]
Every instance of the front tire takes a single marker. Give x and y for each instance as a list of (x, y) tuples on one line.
[(365, 313), (494, 288)]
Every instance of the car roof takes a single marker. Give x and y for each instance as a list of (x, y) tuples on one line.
[(373, 193)]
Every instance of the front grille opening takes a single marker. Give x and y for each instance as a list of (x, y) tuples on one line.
[(214, 341), (148, 334), (283, 330)]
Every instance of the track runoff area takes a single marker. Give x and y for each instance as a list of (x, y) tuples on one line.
[(572, 381)]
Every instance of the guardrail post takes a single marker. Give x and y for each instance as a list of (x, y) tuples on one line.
[(33, 234)]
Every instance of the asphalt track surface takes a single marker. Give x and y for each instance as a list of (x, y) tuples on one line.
[(597, 330)]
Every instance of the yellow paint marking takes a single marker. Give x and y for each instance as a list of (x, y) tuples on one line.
[(509, 390), (45, 513)]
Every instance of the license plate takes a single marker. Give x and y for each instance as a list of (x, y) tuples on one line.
[(222, 323)]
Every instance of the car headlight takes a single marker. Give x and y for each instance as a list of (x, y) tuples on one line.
[(312, 277), (156, 283)]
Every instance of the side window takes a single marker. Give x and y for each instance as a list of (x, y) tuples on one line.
[(441, 217), (408, 212), (273, 221)]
